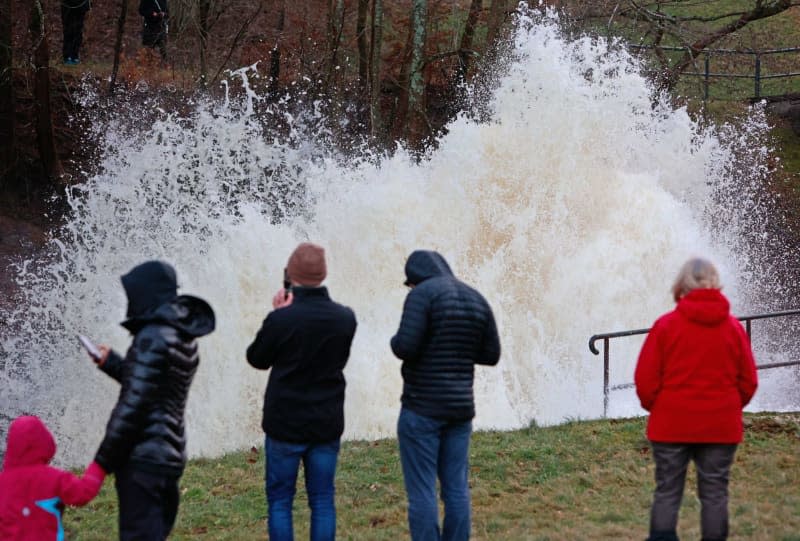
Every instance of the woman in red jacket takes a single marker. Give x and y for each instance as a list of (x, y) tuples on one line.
[(33, 493), (694, 375)]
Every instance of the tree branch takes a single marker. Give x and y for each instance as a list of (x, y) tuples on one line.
[(238, 37)]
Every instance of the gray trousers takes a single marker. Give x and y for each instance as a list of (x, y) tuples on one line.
[(713, 464)]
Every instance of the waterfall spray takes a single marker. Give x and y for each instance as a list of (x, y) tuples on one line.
[(570, 206)]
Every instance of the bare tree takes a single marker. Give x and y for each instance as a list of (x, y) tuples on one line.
[(275, 54), (411, 109), (335, 28), (375, 62), (123, 14), (44, 115), (7, 137), (361, 36), (465, 51), (203, 14)]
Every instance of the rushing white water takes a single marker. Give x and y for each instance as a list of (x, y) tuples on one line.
[(571, 209)]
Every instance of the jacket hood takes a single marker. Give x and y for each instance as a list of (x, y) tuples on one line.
[(424, 264), (148, 286), (29, 443), (707, 307), (189, 314)]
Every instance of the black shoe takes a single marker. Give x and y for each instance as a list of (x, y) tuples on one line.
[(669, 535)]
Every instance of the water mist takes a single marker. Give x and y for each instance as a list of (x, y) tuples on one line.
[(571, 207)]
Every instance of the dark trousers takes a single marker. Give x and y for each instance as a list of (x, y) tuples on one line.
[(713, 463), (148, 504), (154, 35), (72, 22)]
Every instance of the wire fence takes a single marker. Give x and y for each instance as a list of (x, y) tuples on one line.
[(722, 75)]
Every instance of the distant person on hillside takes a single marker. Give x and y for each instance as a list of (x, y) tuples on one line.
[(33, 493), (305, 340), (145, 442), (73, 13), (446, 329), (694, 375), (155, 17)]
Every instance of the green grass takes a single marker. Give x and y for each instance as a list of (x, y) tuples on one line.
[(581, 480)]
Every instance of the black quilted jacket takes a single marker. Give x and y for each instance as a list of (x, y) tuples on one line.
[(447, 327), (146, 428)]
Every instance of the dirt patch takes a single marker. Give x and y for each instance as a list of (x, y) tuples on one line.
[(784, 423)]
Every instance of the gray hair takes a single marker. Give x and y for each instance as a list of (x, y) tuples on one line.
[(697, 273)]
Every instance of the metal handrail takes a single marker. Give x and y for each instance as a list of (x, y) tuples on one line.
[(605, 337), (723, 51), (706, 74)]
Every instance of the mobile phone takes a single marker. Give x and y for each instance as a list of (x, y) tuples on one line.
[(287, 283), (94, 352)]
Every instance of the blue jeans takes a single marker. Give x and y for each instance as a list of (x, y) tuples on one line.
[(431, 448), (319, 464)]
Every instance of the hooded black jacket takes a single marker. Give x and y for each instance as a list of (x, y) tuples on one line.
[(148, 7), (446, 328), (146, 428), (307, 345), (81, 6)]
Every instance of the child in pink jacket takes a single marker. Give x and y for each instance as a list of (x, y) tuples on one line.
[(33, 493)]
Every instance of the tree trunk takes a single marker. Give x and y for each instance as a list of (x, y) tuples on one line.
[(203, 10), (41, 92), (123, 14), (335, 24), (465, 50), (7, 157), (375, 62), (275, 56), (497, 16), (361, 34), (415, 124)]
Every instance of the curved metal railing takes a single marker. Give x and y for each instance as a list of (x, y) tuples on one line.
[(606, 337)]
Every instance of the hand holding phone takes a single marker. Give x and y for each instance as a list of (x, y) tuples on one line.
[(287, 283), (92, 349)]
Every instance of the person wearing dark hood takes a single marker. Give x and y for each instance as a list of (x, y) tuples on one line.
[(155, 14), (306, 341), (446, 328), (73, 13), (33, 493), (145, 444), (694, 375)]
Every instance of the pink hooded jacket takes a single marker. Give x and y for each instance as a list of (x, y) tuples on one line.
[(32, 493)]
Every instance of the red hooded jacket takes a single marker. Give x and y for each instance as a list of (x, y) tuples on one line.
[(696, 372), (32, 493)]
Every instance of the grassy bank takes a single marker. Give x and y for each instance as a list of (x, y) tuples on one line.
[(582, 480)]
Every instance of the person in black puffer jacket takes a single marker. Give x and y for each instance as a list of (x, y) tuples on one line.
[(145, 445), (446, 329)]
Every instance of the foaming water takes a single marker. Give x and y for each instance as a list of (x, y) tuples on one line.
[(570, 208)]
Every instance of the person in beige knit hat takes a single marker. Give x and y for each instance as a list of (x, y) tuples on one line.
[(306, 341)]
